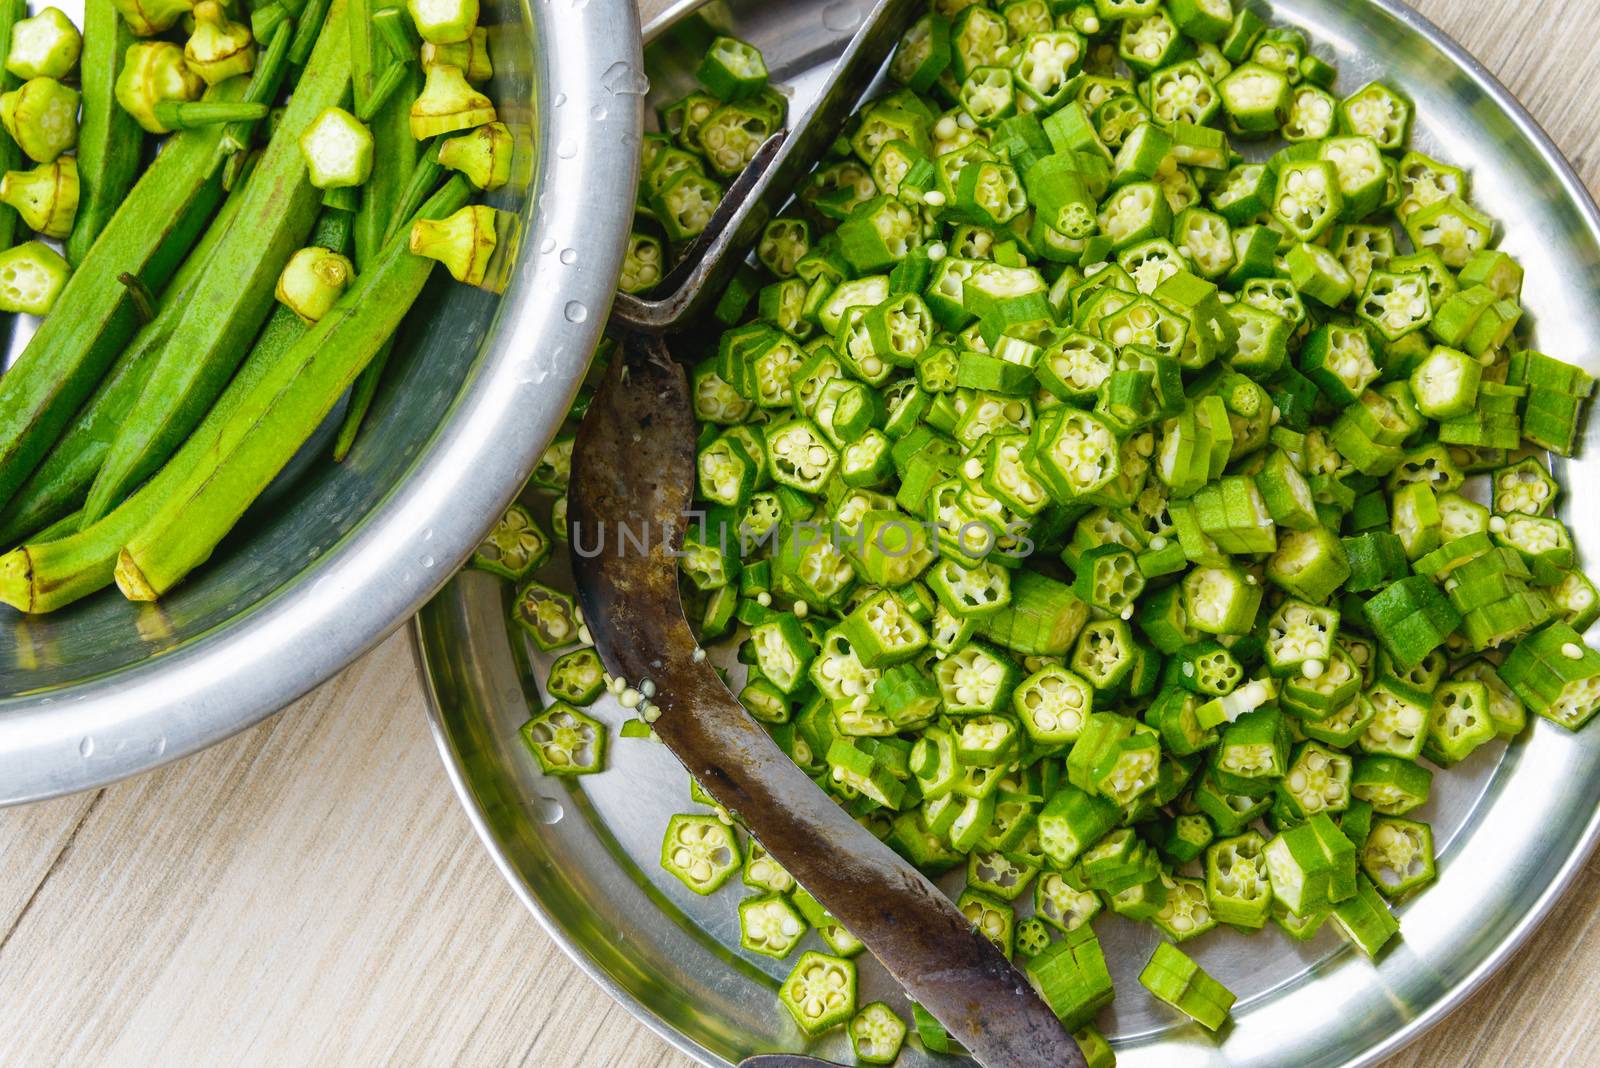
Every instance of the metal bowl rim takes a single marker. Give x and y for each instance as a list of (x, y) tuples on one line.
[(1492, 962)]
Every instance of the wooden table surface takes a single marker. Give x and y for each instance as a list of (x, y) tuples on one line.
[(311, 893)]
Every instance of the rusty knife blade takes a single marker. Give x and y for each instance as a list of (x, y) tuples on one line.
[(633, 468)]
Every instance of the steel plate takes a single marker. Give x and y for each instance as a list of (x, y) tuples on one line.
[(584, 858)]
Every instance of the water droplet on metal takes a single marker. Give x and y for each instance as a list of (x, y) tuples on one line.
[(841, 16), (547, 246), (576, 312), (597, 113), (567, 149), (620, 79), (158, 746), (86, 748), (425, 560), (546, 810), (560, 100), (569, 256)]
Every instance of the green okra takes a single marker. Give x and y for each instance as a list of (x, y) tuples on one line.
[(110, 140), (59, 566), (144, 242), (233, 298), (278, 415), (399, 167)]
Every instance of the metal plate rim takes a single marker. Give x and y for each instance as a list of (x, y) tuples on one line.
[(480, 826)]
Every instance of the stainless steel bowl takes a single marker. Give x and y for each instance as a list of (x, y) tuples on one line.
[(584, 856), (338, 555)]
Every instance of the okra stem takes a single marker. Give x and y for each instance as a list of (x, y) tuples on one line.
[(265, 81), (308, 30), (191, 115), (375, 230)]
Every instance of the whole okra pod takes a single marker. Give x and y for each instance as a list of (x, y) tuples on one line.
[(284, 410), (110, 140)]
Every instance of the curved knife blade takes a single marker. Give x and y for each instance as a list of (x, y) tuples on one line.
[(633, 468)]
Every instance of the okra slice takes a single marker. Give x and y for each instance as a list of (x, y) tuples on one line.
[(1237, 883), (1556, 675), (701, 851), (770, 925), (799, 456), (1445, 384), (1379, 112), (1575, 599), (1318, 780), (1256, 98), (820, 993), (923, 53), (576, 678), (1053, 705), (1524, 487), (1505, 707), (1539, 539), (565, 741), (1318, 692), (547, 615), (732, 69), (1459, 722), (1062, 902), (1399, 726), (998, 875), (1115, 757), (1313, 115), (990, 917), (1392, 785), (1107, 656), (1298, 635), (1309, 199), (1395, 304), (1252, 753), (1109, 579), (515, 547), (1135, 213), (1398, 856), (1365, 919), (1411, 618), (975, 679), (876, 1034), (1452, 229), (1072, 978), (840, 676), (1221, 600), (1071, 821), (783, 652), (1300, 871), (1177, 980)]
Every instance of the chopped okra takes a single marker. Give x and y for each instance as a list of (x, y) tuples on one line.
[(1127, 524), (820, 993), (515, 547), (565, 741), (701, 851)]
